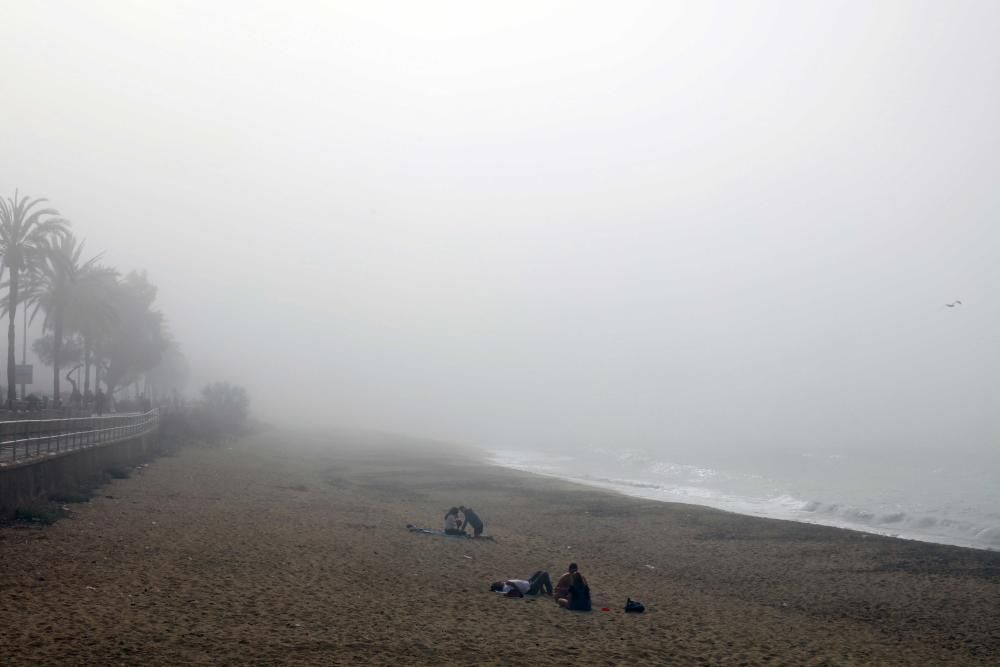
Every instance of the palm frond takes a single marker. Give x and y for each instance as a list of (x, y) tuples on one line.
[(40, 231)]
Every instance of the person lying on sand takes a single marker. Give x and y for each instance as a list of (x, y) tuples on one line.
[(472, 519), (537, 583)]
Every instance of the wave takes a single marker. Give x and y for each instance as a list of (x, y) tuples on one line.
[(700, 485), (919, 526)]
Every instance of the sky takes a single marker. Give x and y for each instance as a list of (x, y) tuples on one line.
[(543, 224)]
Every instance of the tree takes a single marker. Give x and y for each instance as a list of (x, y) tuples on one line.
[(70, 352), (171, 374), (55, 284), (25, 236), (136, 342), (92, 313), (225, 407)]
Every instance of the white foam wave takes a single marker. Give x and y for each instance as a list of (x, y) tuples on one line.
[(699, 485), (919, 526)]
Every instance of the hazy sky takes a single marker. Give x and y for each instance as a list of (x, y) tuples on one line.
[(543, 224)]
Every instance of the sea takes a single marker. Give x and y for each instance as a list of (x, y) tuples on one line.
[(947, 498)]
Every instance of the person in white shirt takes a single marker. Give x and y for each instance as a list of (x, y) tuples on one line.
[(452, 524), (539, 582)]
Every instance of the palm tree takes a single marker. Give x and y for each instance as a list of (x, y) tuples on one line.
[(24, 239), (92, 312), (57, 281)]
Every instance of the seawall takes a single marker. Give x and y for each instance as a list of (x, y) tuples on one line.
[(35, 481)]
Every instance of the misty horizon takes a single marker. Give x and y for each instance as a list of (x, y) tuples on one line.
[(544, 225)]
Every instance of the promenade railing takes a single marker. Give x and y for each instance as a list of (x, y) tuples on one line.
[(30, 439)]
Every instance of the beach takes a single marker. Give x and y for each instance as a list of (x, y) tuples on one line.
[(292, 548)]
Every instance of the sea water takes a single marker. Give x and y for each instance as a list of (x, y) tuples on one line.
[(935, 497)]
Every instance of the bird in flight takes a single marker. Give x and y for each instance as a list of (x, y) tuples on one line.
[(954, 303)]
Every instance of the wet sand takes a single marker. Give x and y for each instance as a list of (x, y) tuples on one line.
[(292, 549)]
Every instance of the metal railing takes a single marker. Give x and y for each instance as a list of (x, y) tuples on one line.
[(40, 438)]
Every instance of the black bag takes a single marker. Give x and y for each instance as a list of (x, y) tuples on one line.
[(631, 606)]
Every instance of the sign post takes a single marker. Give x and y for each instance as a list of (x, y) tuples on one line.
[(25, 374)]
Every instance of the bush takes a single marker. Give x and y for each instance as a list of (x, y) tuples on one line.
[(222, 410), (69, 498), (41, 515), (127, 405)]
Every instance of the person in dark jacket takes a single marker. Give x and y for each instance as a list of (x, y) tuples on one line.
[(472, 519)]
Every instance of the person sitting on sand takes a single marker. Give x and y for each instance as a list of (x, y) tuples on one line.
[(562, 586), (537, 583), (472, 519), (578, 596), (452, 524)]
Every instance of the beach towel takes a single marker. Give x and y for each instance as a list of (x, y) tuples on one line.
[(439, 533)]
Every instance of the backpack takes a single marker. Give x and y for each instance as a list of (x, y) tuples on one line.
[(631, 606)]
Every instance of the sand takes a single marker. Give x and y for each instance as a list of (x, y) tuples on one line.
[(289, 548)]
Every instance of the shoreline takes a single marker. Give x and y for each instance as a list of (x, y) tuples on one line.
[(639, 490), (292, 548)]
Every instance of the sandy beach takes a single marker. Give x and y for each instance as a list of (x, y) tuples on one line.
[(288, 548)]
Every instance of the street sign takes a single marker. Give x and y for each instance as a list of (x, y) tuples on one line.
[(25, 373)]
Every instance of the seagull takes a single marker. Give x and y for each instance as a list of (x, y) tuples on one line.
[(954, 303)]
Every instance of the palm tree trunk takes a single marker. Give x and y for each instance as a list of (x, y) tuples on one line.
[(24, 346), (11, 361), (57, 340), (97, 365), (86, 365), (69, 376)]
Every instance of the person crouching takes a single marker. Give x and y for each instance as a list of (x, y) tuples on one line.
[(472, 519)]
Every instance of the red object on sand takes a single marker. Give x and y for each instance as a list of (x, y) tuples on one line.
[(605, 609)]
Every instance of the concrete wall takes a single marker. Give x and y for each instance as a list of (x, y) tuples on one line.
[(31, 483)]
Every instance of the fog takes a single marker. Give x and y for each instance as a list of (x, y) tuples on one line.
[(543, 224)]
